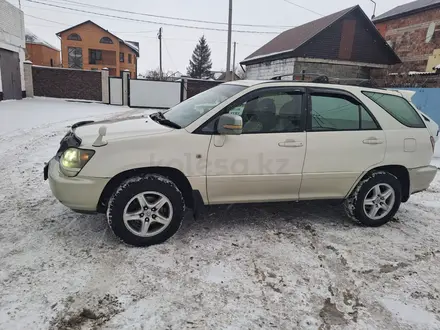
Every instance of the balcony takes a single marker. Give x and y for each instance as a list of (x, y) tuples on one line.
[(102, 57)]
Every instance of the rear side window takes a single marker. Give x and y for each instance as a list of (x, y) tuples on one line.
[(397, 107), (332, 112)]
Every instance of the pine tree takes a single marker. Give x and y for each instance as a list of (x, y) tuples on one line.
[(200, 64)]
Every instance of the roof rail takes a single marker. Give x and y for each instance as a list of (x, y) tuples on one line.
[(319, 78)]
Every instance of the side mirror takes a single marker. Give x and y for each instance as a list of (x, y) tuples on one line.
[(230, 125)]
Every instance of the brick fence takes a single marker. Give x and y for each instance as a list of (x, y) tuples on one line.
[(67, 83), (196, 86)]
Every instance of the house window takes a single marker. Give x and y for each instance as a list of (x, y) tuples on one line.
[(129, 58), (74, 36), (75, 58), (106, 40), (95, 56), (121, 57)]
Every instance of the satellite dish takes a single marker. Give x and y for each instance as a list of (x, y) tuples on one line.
[(430, 32)]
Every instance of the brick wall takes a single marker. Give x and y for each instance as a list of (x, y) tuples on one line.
[(270, 69), (67, 83), (408, 39), (333, 70), (90, 36), (42, 55), (196, 86)]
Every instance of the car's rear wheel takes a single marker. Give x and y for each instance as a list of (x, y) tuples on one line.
[(146, 210), (376, 199)]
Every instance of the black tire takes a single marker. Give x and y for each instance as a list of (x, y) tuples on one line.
[(354, 205), (137, 185)]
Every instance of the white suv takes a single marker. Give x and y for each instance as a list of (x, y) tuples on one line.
[(247, 142)]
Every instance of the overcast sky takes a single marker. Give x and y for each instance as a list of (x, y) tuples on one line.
[(179, 42)]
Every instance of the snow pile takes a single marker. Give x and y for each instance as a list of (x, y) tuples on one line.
[(280, 266)]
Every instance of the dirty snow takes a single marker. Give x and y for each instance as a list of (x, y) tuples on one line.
[(285, 266)]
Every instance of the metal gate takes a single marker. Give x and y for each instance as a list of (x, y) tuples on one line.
[(154, 94), (115, 91), (10, 74)]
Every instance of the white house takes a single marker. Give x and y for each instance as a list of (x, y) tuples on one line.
[(12, 52)]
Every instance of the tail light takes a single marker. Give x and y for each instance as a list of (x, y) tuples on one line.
[(432, 143)]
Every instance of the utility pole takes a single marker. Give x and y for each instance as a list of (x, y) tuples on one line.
[(374, 10), (159, 36), (233, 62), (228, 56)]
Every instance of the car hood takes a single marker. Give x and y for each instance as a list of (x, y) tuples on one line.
[(117, 129)]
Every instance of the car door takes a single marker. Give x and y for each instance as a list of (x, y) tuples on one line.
[(343, 140), (265, 162)]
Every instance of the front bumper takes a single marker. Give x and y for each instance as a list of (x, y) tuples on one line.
[(421, 178), (78, 193)]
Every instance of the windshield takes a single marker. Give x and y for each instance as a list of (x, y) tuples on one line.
[(192, 109)]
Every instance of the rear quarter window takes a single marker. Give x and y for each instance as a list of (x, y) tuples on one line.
[(397, 107)]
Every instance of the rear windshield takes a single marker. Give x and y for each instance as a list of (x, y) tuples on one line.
[(397, 107)]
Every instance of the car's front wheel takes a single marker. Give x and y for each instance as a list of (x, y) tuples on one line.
[(146, 210), (376, 199)]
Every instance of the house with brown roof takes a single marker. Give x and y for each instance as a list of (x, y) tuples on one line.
[(413, 31), (40, 52), (345, 44), (88, 46)]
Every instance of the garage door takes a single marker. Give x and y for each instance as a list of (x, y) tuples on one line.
[(10, 74)]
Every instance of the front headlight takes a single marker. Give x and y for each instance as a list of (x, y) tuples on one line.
[(73, 160)]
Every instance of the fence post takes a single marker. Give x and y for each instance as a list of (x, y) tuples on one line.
[(105, 86), (125, 87), (28, 82), (185, 89)]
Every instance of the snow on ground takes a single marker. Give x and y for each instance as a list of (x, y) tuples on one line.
[(285, 266), (436, 159)]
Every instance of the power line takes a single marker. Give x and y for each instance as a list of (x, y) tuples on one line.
[(147, 21), (299, 6), (47, 20), (137, 32), (174, 18)]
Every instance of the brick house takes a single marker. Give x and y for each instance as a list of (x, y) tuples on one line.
[(345, 44), (413, 31), (12, 54), (40, 52), (89, 46)]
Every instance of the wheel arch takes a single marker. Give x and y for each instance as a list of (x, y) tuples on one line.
[(175, 175), (401, 172)]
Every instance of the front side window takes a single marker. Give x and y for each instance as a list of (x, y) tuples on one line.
[(75, 58), (188, 111), (121, 57), (106, 40), (271, 112), (333, 112), (267, 111), (129, 58), (397, 107)]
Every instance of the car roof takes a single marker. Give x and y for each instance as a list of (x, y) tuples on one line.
[(251, 83)]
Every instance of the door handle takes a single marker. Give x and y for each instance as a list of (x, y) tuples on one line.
[(291, 144), (373, 141)]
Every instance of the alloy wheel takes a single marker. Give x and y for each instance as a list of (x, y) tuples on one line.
[(148, 214), (379, 201)]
